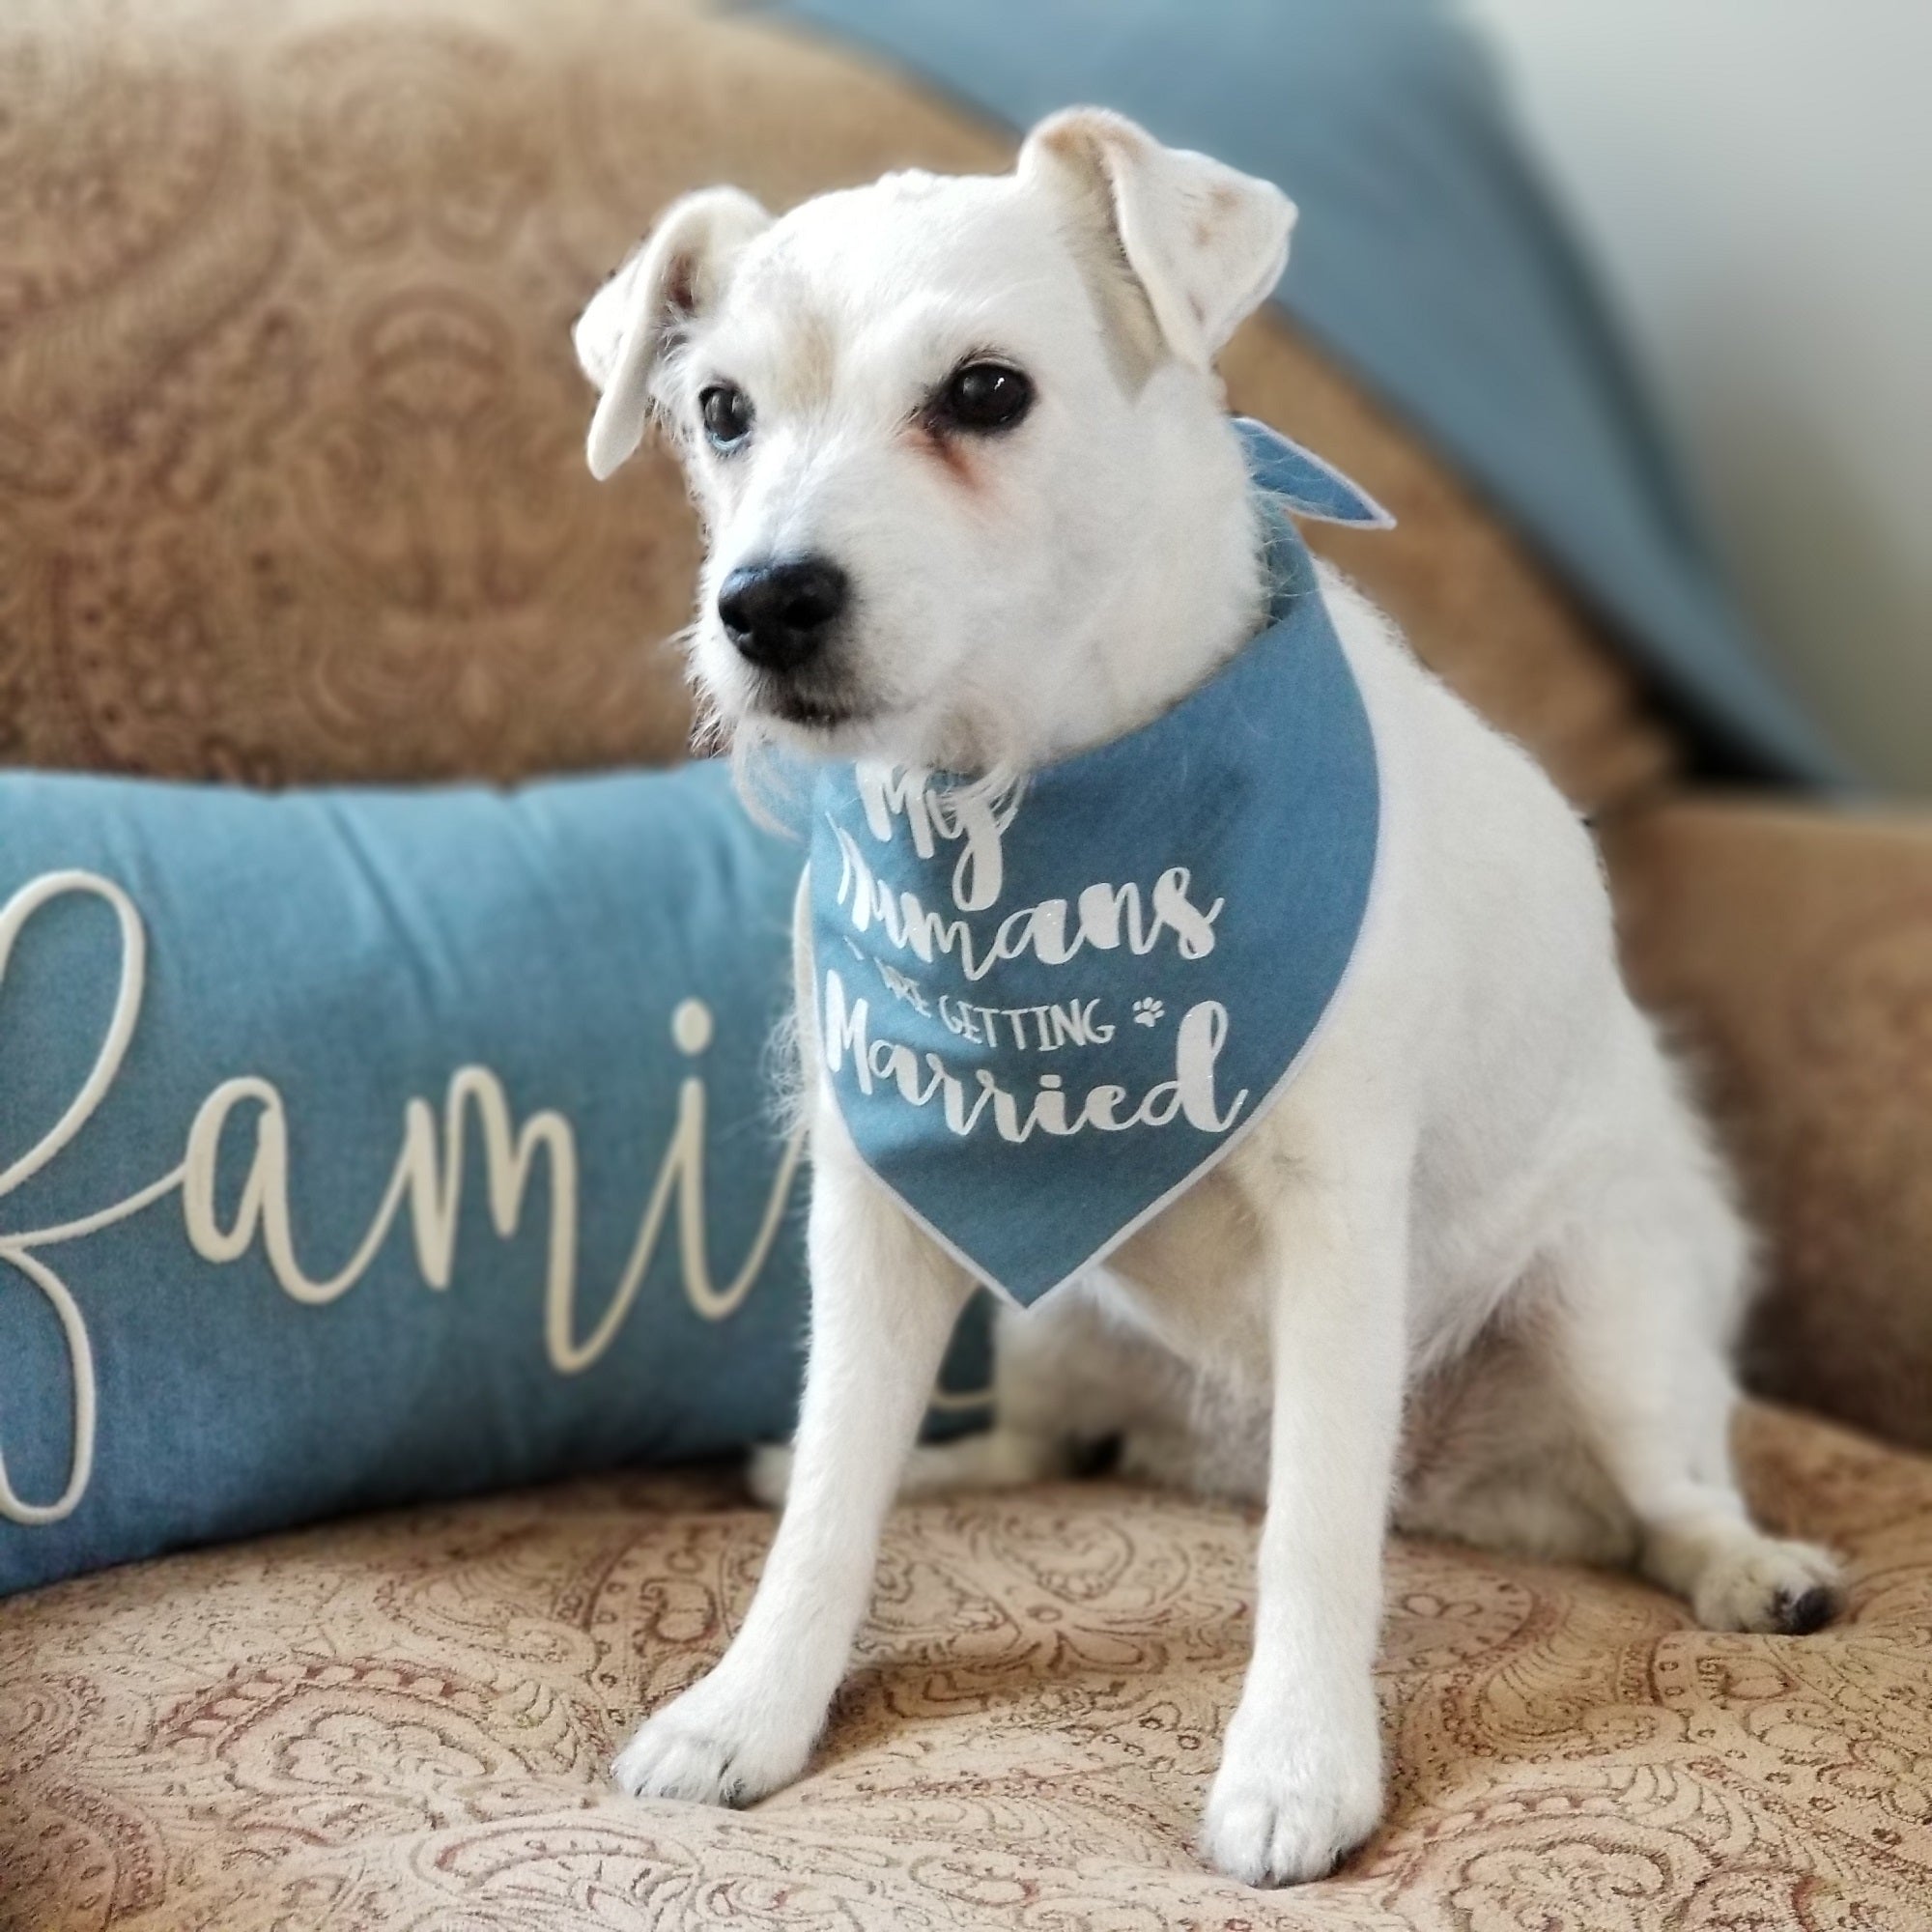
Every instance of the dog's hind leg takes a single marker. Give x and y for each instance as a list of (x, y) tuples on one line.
[(1492, 1454), (1637, 1328)]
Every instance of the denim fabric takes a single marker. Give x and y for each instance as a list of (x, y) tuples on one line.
[(608, 956), (1046, 1011)]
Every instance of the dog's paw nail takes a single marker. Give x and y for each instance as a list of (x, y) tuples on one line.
[(1807, 1611), (1773, 1588)]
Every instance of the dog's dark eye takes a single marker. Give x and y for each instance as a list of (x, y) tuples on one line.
[(983, 396), (726, 411)]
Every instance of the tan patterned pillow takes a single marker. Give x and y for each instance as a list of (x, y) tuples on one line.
[(291, 483)]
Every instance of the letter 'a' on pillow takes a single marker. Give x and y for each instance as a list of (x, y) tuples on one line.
[(363, 1147)]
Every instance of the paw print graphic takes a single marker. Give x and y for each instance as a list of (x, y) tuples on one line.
[(1147, 1013)]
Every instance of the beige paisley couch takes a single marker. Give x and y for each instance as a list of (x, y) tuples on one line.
[(290, 490)]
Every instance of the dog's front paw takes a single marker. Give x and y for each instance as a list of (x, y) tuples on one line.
[(1292, 1808), (714, 1749)]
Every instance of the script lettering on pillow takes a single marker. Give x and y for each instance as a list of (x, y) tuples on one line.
[(426, 1181)]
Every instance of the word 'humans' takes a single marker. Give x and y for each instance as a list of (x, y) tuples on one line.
[(923, 1078), (1104, 916)]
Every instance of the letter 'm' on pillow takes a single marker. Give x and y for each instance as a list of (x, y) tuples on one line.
[(363, 1147)]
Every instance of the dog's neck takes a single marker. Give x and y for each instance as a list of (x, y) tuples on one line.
[(1182, 589)]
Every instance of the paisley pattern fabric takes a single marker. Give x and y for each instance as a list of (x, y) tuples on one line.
[(292, 485), (291, 489), (404, 1723)]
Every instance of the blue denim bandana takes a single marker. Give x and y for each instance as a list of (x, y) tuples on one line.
[(1046, 1013)]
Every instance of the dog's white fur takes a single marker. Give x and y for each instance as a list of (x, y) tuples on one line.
[(1485, 1199)]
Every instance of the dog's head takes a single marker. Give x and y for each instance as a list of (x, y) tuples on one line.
[(949, 436)]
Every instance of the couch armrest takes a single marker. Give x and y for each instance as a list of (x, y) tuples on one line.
[(1793, 952)]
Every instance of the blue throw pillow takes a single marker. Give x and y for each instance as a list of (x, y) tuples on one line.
[(1428, 257), (364, 1147)]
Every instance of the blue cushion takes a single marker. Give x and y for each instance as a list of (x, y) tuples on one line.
[(1427, 258), (609, 954)]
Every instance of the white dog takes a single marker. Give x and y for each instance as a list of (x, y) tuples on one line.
[(974, 505)]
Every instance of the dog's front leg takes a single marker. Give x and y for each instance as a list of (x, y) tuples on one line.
[(1300, 1780), (884, 1300)]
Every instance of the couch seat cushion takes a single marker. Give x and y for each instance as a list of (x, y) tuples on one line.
[(405, 1721)]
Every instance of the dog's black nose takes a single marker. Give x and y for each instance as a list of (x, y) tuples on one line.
[(779, 615)]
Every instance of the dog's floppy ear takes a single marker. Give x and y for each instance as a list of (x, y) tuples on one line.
[(1204, 241), (673, 275)]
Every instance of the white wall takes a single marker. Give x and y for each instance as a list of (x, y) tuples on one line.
[(1754, 178)]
